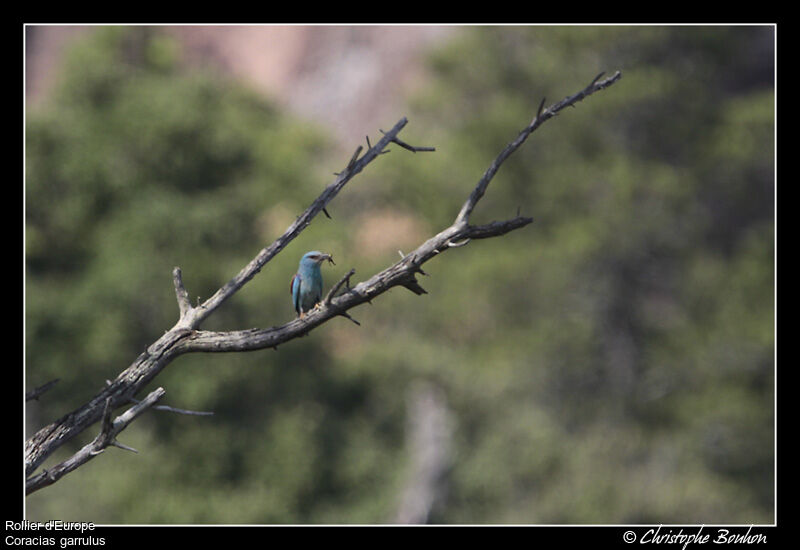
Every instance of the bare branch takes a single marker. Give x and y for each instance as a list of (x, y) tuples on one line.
[(598, 77), (405, 145), (176, 410), (354, 158), (180, 292), (541, 117), (335, 288), (453, 244), (497, 228), (348, 317), (36, 392), (122, 446), (107, 437), (185, 337)]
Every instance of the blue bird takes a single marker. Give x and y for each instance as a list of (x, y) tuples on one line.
[(306, 285)]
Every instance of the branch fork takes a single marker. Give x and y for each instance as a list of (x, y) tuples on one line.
[(106, 438)]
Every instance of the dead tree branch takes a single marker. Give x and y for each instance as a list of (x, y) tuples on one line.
[(106, 438), (185, 336), (167, 408), (36, 392)]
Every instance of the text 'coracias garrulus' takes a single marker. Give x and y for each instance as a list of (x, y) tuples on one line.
[(306, 285)]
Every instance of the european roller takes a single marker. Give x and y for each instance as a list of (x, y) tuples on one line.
[(306, 285)]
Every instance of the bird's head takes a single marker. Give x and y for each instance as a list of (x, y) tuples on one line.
[(315, 258)]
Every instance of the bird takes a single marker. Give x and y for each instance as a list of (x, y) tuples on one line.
[(306, 285)]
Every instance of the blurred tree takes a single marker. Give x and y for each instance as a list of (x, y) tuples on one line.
[(612, 363)]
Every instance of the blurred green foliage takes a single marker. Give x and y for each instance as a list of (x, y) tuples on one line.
[(611, 363)]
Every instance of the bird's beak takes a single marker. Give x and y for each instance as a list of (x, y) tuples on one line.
[(328, 257)]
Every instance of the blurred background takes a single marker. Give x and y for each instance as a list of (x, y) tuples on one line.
[(613, 362)]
